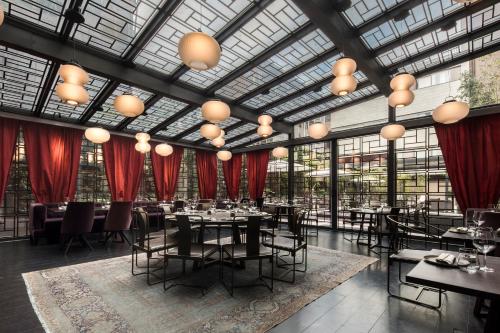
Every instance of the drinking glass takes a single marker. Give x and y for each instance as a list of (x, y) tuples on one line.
[(467, 260), (476, 217), (484, 242)]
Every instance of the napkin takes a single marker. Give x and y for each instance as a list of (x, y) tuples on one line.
[(446, 258)]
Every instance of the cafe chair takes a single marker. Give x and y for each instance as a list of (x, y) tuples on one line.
[(188, 250), (40, 225), (293, 244), (178, 205), (118, 220), (77, 222), (401, 255), (251, 249), (148, 242)]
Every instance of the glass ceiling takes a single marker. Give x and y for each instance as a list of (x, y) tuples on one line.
[(197, 136), (108, 117), (21, 76), (160, 53), (114, 26), (161, 110)]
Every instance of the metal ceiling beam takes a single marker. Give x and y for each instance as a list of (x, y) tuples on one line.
[(318, 102), (150, 102), (325, 17), (167, 122), (188, 131), (241, 136), (467, 38), (26, 115), (234, 25), (433, 26), (226, 130), (263, 56), (98, 101), (40, 42), (288, 75), (454, 62), (254, 141)]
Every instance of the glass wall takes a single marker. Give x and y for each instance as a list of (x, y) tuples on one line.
[(277, 178)]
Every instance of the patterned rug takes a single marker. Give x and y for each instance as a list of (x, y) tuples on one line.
[(103, 296)]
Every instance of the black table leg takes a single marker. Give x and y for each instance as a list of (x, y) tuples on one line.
[(493, 319)]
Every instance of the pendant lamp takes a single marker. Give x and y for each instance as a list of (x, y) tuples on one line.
[(401, 84), (317, 130), (215, 111), (344, 81), (164, 149), (451, 111), (129, 105), (199, 51), (72, 94), (143, 147), (218, 141), (224, 155), (392, 131), (264, 131), (280, 152), (142, 137), (210, 131), (265, 119), (97, 135)]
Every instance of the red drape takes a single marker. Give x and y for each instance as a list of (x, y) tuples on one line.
[(471, 151), (206, 165), (232, 175), (123, 166), (53, 155), (165, 172), (9, 128), (257, 172)]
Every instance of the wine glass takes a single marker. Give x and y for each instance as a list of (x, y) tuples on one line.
[(484, 242), (476, 217)]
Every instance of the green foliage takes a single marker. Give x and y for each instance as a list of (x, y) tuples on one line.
[(483, 88)]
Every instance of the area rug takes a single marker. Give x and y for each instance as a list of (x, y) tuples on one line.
[(103, 296)]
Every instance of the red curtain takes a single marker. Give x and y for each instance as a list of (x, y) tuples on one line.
[(53, 155), (9, 128), (471, 151), (123, 166), (232, 174), (257, 172), (165, 172), (206, 165)]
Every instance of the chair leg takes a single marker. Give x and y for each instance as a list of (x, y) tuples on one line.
[(70, 241), (86, 242), (124, 237)]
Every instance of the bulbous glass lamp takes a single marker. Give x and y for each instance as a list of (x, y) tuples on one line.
[(142, 147), (265, 119), (164, 149), (224, 155), (280, 152), (72, 94), (97, 135), (199, 51), (129, 105), (73, 73), (264, 131), (343, 85), (317, 130), (215, 111), (210, 131), (392, 131), (451, 111)]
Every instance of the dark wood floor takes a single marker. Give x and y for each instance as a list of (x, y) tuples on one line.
[(358, 305)]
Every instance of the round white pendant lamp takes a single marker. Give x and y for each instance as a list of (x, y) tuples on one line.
[(344, 66), (317, 130), (199, 51), (210, 131), (265, 119), (143, 147), (72, 94), (97, 135), (392, 131), (343, 85), (129, 105), (215, 111), (264, 131), (142, 137), (73, 73), (451, 111), (280, 152), (164, 149), (401, 96), (218, 141), (224, 155)]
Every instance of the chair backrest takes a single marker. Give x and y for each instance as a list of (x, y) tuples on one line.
[(395, 210), (259, 202), (469, 213), (220, 205), (141, 225), (252, 243), (179, 204), (119, 216), (78, 218), (490, 219), (37, 214), (185, 235)]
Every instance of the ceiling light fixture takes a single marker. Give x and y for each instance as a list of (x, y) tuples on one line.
[(164, 149), (215, 111), (401, 86), (218, 141), (392, 131), (142, 137), (344, 81), (317, 130), (210, 131), (129, 105), (264, 131), (72, 94), (143, 147), (224, 155), (97, 135), (265, 119), (280, 152), (451, 111)]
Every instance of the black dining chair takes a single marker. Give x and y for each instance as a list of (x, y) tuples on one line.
[(146, 241), (188, 250), (77, 222), (250, 249), (118, 220)]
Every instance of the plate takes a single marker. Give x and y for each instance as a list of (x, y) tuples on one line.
[(458, 231), (431, 259)]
